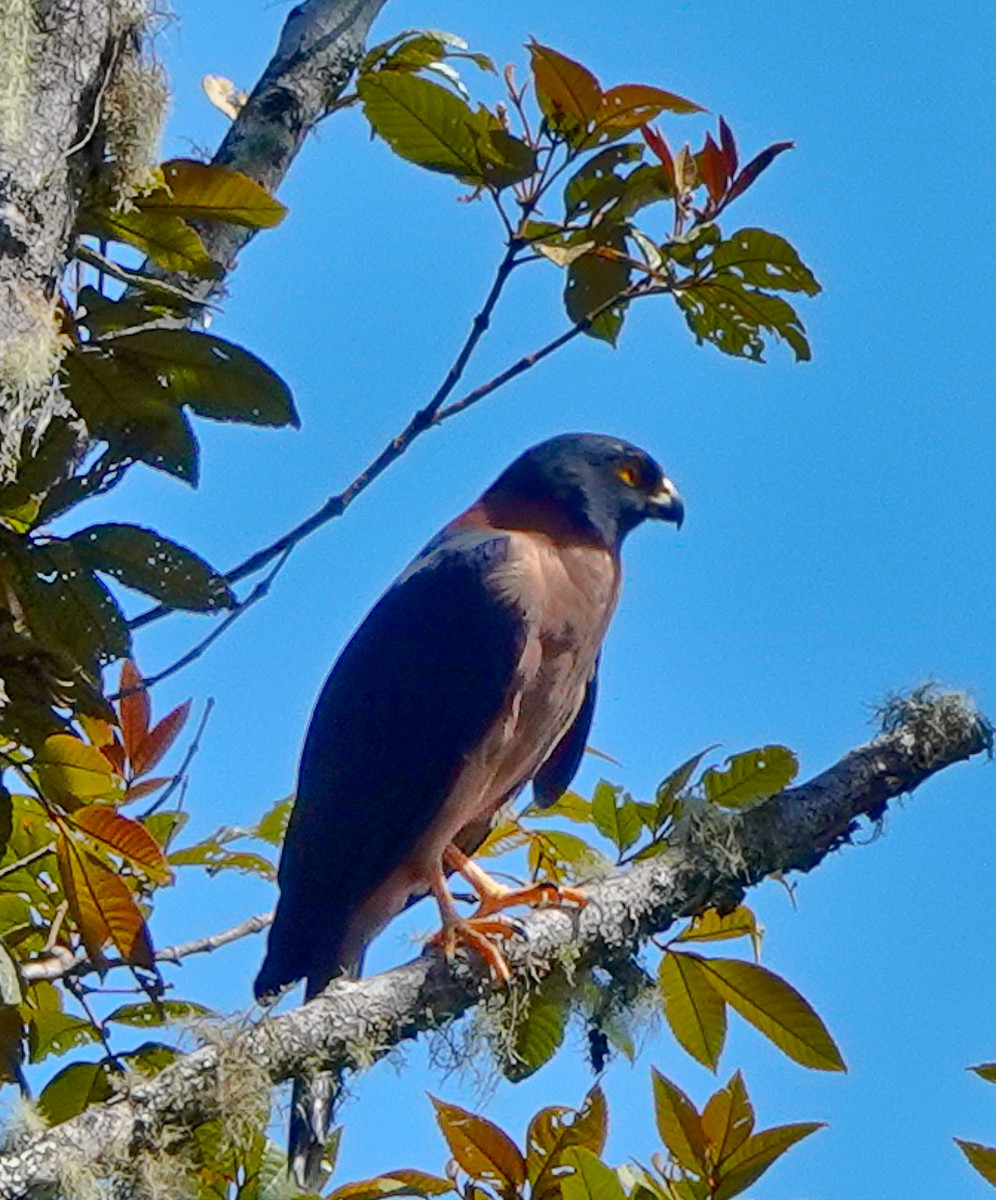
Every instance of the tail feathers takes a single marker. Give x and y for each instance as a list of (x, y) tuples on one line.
[(312, 1101)]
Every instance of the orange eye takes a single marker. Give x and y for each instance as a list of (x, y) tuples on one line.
[(629, 476)]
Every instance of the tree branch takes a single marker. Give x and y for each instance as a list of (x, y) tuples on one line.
[(356, 1021)]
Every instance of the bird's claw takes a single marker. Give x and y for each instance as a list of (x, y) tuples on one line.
[(535, 894), (475, 933)]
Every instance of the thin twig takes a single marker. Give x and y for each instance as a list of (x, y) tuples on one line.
[(59, 966), (188, 758), (27, 860)]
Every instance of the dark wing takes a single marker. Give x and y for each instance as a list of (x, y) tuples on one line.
[(555, 775), (414, 691)]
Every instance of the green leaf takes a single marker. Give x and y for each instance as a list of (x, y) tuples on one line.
[(539, 1031), (423, 123), (163, 1012), (764, 260), (556, 856), (591, 1178), (217, 378), (776, 1009), (150, 1058), (50, 1030), (757, 1154), (592, 283), (504, 159), (679, 1124), (983, 1158), (73, 1089), (694, 1009), (132, 411), (273, 824), (148, 562), (671, 789), (721, 310), (11, 1044), (67, 766), (595, 183), (167, 239), (986, 1071), (6, 819), (569, 805), (200, 191), (616, 816), (711, 926), (727, 1119), (213, 856), (750, 777)]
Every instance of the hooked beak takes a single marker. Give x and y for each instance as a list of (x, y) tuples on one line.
[(666, 504)]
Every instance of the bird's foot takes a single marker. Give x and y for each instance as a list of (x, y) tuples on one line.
[(494, 897), (476, 933)]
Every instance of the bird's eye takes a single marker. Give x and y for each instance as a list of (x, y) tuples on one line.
[(628, 474)]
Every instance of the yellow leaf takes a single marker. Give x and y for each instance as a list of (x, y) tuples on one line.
[(776, 1009), (679, 1125), (983, 1158), (591, 1178), (756, 1154), (727, 1119), (694, 1009), (125, 837), (482, 1150), (66, 766), (200, 191), (166, 238), (710, 926), (750, 777), (102, 906)]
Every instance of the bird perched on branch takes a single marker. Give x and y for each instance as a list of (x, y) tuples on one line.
[(474, 674)]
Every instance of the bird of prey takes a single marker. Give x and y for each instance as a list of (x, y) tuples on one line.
[(474, 674)]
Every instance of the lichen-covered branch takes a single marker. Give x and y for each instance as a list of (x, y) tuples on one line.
[(71, 77), (712, 861)]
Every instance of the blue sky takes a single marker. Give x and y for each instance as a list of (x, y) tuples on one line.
[(838, 544)]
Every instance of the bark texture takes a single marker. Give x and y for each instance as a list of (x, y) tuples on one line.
[(713, 860), (56, 60)]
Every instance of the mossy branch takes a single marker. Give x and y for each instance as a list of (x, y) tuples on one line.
[(712, 861)]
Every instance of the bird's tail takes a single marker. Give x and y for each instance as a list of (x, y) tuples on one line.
[(312, 1103)]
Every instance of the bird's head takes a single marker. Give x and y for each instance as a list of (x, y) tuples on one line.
[(586, 484)]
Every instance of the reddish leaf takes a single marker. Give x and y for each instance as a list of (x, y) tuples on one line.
[(156, 744), (759, 163), (482, 1150), (633, 104), (115, 755), (134, 708), (729, 146), (660, 147), (137, 791), (568, 93), (125, 837), (102, 906), (712, 168)]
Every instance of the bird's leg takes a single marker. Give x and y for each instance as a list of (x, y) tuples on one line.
[(494, 896), (471, 931)]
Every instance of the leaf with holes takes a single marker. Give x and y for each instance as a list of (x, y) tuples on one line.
[(679, 1124), (750, 777), (162, 1012), (694, 1009), (214, 857), (722, 311), (594, 285), (595, 184), (164, 237), (67, 767), (423, 122), (481, 1150), (102, 906), (568, 93), (590, 1178), (776, 1009), (554, 1130), (200, 191), (764, 260), (755, 1155), (148, 562), (630, 105), (217, 378), (111, 830)]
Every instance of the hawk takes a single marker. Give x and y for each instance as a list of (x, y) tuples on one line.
[(474, 674)]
